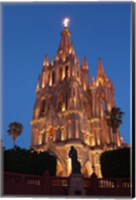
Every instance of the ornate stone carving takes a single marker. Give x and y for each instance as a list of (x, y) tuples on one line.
[(69, 110)]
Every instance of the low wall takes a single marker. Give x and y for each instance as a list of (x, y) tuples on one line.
[(24, 184)]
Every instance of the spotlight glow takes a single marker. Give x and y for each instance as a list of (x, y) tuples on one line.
[(66, 22)]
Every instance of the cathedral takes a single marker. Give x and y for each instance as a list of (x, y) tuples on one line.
[(70, 110)]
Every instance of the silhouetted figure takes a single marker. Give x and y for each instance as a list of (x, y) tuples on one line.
[(76, 167)]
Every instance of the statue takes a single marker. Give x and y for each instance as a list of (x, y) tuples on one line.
[(76, 167)]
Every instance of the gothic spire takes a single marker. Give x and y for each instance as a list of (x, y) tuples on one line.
[(100, 72), (92, 81), (46, 62), (66, 47), (85, 64)]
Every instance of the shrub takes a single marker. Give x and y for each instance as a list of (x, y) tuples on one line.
[(30, 162), (116, 163)]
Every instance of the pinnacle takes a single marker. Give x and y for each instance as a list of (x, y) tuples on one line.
[(46, 62), (100, 71), (85, 64), (92, 81), (66, 47)]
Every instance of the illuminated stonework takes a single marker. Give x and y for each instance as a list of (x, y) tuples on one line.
[(70, 111)]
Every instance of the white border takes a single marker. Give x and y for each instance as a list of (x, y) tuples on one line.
[(36, 1)]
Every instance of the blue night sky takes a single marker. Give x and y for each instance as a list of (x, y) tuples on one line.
[(32, 30)]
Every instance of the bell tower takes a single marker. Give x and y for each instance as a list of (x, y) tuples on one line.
[(69, 111)]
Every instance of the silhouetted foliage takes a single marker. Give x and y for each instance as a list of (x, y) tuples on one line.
[(29, 161), (116, 163), (14, 130), (114, 119)]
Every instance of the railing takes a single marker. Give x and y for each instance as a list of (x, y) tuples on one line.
[(32, 181), (12, 177), (46, 184), (114, 183), (86, 183), (26, 179), (60, 182)]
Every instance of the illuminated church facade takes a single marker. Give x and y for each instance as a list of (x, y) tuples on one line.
[(69, 110)]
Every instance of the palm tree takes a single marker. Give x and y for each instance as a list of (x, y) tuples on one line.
[(114, 119), (14, 130)]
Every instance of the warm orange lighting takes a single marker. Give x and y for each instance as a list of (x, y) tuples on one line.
[(45, 63), (97, 83), (59, 168), (101, 80), (50, 81), (63, 58), (70, 50), (92, 142), (42, 131), (61, 51), (63, 107), (40, 139), (108, 106), (43, 84), (98, 141), (87, 139), (69, 166), (84, 87), (70, 110), (51, 131)]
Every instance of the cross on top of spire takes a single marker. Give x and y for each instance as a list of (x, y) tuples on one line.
[(66, 22)]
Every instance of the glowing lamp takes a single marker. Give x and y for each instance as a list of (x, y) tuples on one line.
[(66, 22)]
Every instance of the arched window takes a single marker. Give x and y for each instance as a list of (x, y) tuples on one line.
[(43, 136), (60, 106), (66, 100), (60, 102), (104, 105), (48, 78), (53, 78), (66, 71), (74, 91), (60, 73), (42, 107), (51, 100), (58, 134)]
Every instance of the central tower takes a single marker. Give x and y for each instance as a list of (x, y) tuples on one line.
[(69, 111)]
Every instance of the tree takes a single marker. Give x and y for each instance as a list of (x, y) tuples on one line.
[(28, 161), (116, 163), (14, 130), (114, 119)]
